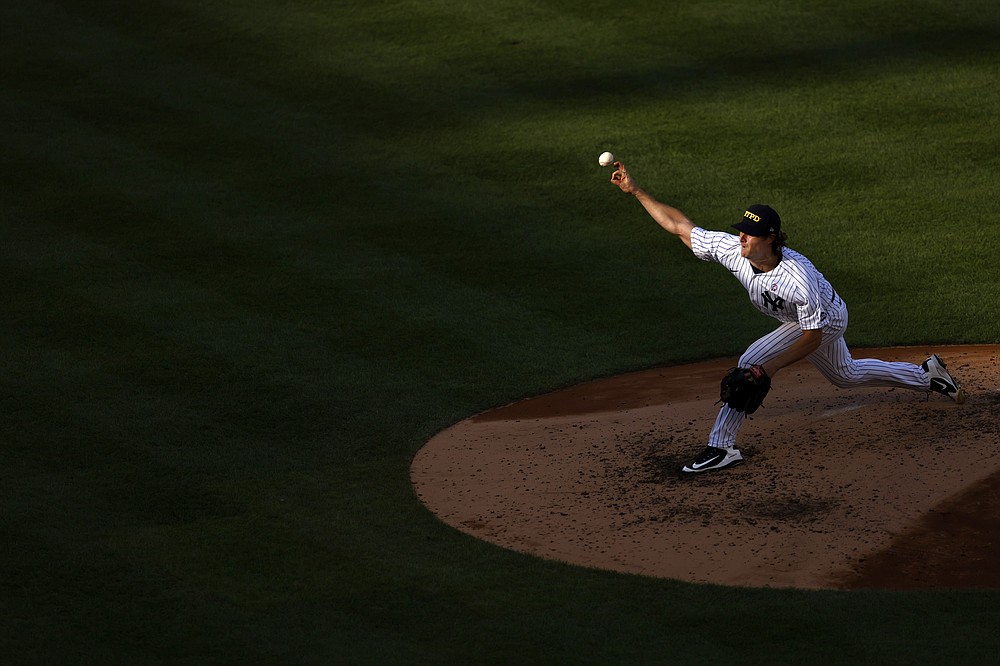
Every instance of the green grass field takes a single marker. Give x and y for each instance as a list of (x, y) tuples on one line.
[(257, 253)]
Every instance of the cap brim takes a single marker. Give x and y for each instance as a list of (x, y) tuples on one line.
[(751, 229)]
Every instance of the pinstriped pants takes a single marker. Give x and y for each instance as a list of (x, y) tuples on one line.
[(833, 359)]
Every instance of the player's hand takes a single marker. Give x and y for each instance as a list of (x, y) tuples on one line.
[(624, 181)]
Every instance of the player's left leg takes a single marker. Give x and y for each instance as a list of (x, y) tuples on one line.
[(721, 451), (729, 420)]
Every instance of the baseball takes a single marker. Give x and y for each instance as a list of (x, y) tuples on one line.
[(606, 159)]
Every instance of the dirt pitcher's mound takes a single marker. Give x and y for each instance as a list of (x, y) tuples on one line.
[(840, 488)]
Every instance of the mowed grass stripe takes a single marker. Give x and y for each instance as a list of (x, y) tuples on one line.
[(153, 183), (196, 325)]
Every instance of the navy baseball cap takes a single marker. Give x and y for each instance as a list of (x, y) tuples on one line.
[(759, 220)]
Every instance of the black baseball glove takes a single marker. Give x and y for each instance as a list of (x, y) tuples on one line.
[(744, 389)]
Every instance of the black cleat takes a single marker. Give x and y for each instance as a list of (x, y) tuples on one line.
[(714, 457), (941, 380)]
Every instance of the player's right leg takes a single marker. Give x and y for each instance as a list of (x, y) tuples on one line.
[(834, 361)]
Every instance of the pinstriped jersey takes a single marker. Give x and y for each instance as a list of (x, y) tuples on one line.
[(793, 291)]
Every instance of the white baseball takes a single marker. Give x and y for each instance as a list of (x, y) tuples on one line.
[(606, 159)]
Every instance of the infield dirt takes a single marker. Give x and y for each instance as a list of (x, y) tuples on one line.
[(882, 488)]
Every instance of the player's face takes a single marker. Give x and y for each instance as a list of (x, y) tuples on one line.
[(755, 247)]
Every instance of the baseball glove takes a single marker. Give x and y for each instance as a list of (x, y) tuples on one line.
[(744, 389)]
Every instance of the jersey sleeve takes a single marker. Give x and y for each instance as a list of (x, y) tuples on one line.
[(713, 245), (809, 305)]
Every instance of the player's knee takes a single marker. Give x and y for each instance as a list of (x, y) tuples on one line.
[(846, 378)]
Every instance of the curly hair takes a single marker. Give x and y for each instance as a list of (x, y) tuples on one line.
[(779, 241)]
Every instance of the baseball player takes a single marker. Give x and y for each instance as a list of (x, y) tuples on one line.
[(785, 285)]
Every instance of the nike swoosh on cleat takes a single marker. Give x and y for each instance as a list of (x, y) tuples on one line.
[(942, 385), (707, 463)]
